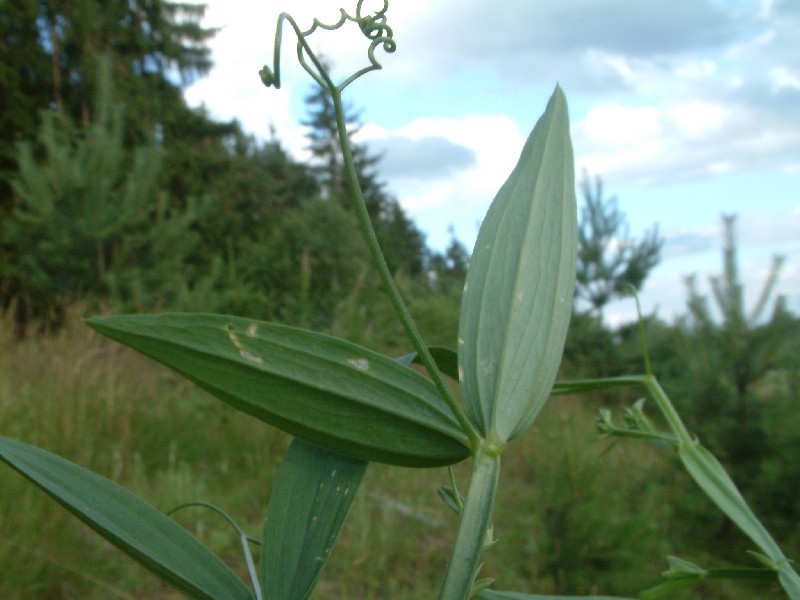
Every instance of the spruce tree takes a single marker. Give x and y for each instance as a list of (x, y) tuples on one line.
[(24, 88), (326, 155), (48, 60), (403, 243)]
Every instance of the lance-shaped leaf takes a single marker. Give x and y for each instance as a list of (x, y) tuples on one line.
[(492, 595), (712, 478), (310, 500), (316, 387), (133, 526), (518, 294)]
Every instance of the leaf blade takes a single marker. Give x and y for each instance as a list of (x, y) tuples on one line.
[(322, 389), (715, 482), (518, 294), (145, 534), (310, 500), (493, 595)]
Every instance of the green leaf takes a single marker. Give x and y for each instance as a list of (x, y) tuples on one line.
[(492, 595), (143, 533), (451, 498), (789, 581), (445, 358), (581, 386), (668, 588), (316, 387), (517, 298), (310, 500), (712, 478), (678, 567)]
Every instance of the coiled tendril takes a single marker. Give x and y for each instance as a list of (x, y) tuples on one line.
[(373, 26)]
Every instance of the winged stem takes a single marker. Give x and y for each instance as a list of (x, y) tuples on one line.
[(472, 525)]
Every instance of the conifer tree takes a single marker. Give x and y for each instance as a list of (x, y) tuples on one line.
[(48, 60), (91, 219), (728, 354), (449, 269), (608, 260), (403, 243)]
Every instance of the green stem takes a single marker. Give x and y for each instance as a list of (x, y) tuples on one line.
[(387, 280), (472, 526)]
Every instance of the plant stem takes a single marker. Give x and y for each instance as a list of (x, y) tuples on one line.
[(472, 525), (387, 280)]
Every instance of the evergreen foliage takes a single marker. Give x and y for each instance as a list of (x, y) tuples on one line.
[(737, 363), (608, 260), (24, 85), (91, 219), (402, 242), (450, 268), (48, 61)]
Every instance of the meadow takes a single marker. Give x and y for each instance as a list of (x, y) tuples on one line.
[(575, 515)]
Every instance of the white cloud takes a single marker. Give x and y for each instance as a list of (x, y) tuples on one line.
[(666, 93), (245, 43), (782, 77), (695, 70), (695, 118), (495, 142), (615, 125)]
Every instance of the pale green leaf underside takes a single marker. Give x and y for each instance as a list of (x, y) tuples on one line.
[(316, 387), (135, 527), (518, 295), (310, 501)]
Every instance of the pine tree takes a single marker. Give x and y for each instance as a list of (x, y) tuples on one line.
[(449, 269), (608, 260), (48, 60), (729, 355), (150, 41), (91, 219)]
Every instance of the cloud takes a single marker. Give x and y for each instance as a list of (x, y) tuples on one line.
[(425, 158), (682, 244), (660, 93), (446, 171), (678, 92), (684, 140), (552, 40)]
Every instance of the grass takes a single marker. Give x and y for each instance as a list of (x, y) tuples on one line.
[(569, 519)]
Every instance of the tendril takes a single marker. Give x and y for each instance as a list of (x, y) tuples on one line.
[(372, 26)]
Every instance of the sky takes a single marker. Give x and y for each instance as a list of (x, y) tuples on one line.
[(687, 110)]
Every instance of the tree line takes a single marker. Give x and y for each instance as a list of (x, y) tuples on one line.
[(112, 189)]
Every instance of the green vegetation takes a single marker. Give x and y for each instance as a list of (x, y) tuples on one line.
[(575, 514), (608, 260)]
